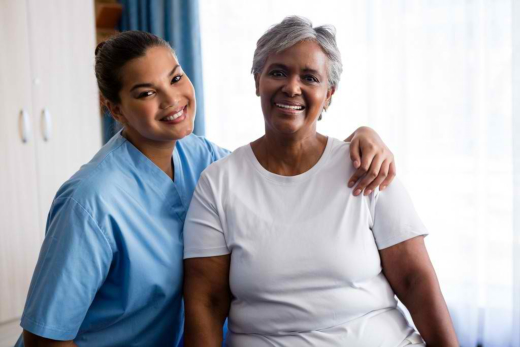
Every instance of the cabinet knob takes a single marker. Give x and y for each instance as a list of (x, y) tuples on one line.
[(46, 125), (24, 125)]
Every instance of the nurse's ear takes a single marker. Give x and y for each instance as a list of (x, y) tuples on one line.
[(115, 111)]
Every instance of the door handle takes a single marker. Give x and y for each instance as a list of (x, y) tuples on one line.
[(24, 125), (46, 125)]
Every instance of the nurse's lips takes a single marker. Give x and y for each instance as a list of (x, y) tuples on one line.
[(175, 116)]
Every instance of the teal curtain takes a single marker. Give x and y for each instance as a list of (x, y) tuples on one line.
[(176, 21)]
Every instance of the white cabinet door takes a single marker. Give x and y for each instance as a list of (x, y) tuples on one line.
[(62, 41), (19, 227)]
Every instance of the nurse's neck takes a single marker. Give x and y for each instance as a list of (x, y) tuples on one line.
[(159, 152)]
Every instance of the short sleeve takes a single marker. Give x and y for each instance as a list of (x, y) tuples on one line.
[(217, 152), (394, 217), (203, 233), (74, 261)]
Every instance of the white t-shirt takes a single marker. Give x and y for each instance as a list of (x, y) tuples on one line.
[(305, 267)]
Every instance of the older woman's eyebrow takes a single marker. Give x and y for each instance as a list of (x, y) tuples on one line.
[(279, 66), (306, 69), (143, 85), (311, 70)]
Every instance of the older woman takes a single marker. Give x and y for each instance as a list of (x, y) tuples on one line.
[(274, 238)]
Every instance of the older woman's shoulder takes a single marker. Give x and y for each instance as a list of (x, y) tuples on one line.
[(338, 147)]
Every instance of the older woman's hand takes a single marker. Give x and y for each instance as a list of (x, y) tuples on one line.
[(373, 160)]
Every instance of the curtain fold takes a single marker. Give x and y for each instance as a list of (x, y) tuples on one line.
[(176, 21)]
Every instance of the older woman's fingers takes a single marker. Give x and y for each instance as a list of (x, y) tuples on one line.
[(383, 173), (370, 175), (390, 177)]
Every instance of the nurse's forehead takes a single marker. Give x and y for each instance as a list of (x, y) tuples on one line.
[(157, 63)]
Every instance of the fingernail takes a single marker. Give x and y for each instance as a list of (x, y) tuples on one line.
[(357, 192), (351, 184), (367, 192), (382, 188), (356, 164)]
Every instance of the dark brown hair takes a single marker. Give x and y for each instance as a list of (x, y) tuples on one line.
[(114, 53)]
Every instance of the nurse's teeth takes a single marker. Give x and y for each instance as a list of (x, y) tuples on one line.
[(290, 107), (175, 116)]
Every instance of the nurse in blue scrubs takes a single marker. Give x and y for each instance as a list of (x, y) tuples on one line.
[(111, 265)]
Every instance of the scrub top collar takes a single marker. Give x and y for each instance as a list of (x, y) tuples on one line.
[(159, 179)]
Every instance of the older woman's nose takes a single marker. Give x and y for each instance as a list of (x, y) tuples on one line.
[(292, 87)]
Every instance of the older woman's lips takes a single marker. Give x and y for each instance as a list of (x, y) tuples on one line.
[(290, 108)]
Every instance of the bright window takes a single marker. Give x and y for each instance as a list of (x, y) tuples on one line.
[(434, 79)]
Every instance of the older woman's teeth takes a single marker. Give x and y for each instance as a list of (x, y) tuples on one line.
[(175, 116), (290, 107)]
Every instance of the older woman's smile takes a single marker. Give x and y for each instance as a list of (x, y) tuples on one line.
[(290, 106)]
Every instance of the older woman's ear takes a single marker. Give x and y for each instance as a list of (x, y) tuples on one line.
[(330, 92), (257, 84)]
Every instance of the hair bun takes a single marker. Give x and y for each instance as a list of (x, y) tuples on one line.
[(99, 46)]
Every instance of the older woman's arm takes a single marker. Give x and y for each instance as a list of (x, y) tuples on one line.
[(373, 160), (206, 299), (409, 271)]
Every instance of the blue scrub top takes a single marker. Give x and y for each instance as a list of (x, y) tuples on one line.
[(111, 266)]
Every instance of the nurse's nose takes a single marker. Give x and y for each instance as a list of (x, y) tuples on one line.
[(292, 86), (169, 99)]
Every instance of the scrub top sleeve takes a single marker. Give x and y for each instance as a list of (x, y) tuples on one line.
[(74, 261), (217, 152), (203, 232), (394, 217)]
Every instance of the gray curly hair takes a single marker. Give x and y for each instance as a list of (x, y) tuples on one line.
[(293, 30)]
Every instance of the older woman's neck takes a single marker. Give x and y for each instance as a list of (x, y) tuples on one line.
[(289, 155)]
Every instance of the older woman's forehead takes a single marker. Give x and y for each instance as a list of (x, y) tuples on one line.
[(306, 55)]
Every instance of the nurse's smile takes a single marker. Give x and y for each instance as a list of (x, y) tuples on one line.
[(175, 117)]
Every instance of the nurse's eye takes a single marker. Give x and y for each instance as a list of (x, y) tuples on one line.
[(145, 94), (177, 78), (277, 73)]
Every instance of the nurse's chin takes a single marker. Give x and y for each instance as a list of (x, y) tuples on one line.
[(179, 134), (176, 132)]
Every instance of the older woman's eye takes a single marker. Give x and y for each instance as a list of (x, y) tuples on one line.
[(277, 73), (176, 78), (145, 94), (311, 78)]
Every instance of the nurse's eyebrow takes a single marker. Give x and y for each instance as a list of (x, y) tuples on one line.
[(143, 85)]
